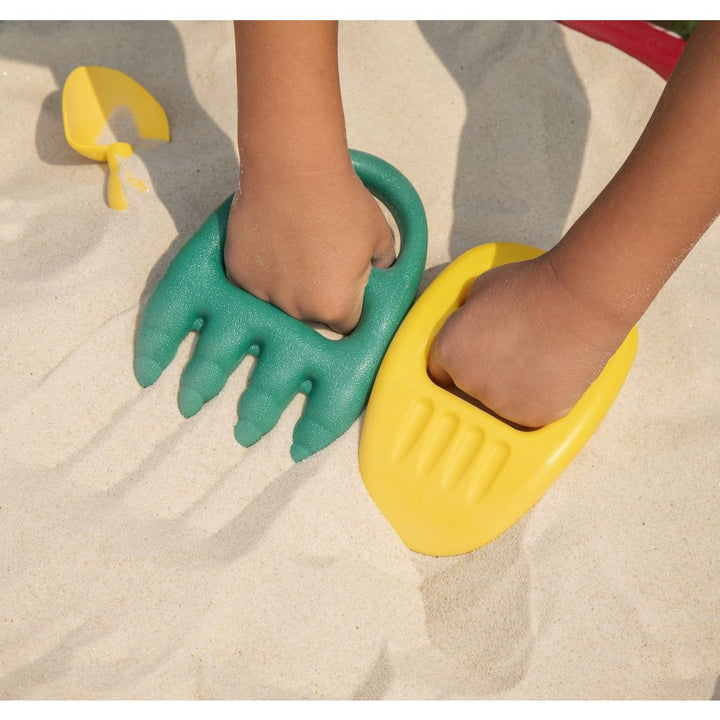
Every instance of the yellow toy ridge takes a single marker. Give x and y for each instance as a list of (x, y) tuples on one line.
[(448, 476), (90, 95)]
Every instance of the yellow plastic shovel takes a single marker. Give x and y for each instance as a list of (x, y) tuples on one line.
[(90, 95), (447, 475)]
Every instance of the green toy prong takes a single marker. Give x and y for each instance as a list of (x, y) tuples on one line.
[(155, 351), (195, 294), (314, 429), (266, 396), (216, 356)]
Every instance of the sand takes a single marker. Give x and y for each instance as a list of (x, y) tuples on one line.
[(149, 556)]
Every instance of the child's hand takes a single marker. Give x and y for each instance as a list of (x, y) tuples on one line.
[(533, 336), (304, 240), (522, 345)]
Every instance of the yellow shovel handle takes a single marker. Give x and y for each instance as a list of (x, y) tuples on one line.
[(116, 196)]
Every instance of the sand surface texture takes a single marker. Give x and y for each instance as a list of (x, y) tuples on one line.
[(148, 556)]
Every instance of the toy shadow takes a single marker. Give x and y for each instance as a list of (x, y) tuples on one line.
[(201, 157)]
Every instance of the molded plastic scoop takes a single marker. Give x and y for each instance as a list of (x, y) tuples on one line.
[(448, 476), (90, 96), (336, 375)]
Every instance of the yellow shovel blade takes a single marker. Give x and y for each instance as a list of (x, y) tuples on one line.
[(448, 476), (90, 96)]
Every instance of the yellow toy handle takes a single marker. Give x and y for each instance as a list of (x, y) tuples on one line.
[(116, 196)]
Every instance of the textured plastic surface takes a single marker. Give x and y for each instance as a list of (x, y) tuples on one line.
[(447, 475), (90, 95), (336, 375)]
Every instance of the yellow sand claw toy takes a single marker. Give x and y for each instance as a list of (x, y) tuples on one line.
[(90, 95), (448, 476)]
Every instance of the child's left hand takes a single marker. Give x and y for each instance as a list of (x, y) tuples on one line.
[(522, 345)]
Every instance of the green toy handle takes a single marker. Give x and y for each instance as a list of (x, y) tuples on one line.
[(336, 375)]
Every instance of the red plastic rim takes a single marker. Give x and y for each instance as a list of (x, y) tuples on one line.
[(657, 48)]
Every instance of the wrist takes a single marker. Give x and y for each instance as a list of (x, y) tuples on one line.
[(287, 157), (284, 177), (604, 291)]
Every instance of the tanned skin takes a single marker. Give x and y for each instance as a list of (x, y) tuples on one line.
[(532, 336), (303, 231)]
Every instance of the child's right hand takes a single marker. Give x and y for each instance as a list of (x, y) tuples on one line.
[(304, 239)]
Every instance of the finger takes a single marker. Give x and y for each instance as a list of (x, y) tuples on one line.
[(218, 353), (436, 367), (346, 324), (271, 387), (384, 254)]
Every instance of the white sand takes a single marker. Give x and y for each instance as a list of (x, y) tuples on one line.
[(148, 556)]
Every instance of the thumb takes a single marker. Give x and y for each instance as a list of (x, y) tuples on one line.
[(436, 367), (384, 252)]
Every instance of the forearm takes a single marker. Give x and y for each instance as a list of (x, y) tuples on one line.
[(620, 253), (303, 231), (289, 103)]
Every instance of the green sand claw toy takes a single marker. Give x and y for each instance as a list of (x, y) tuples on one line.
[(336, 375)]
